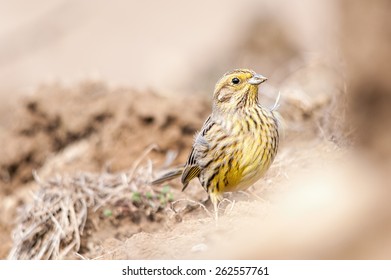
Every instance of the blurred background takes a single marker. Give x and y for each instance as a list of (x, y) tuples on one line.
[(157, 45), (83, 83)]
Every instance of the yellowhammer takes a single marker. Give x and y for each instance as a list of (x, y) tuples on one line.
[(237, 143)]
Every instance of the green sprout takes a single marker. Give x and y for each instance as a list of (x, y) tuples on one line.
[(170, 197), (165, 195), (107, 213), (162, 198), (148, 195), (165, 189), (136, 197)]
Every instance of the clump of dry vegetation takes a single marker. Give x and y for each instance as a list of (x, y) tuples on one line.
[(53, 224)]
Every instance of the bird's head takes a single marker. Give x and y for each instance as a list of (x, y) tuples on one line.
[(237, 89)]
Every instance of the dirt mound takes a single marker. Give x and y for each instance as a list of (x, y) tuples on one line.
[(117, 123), (90, 128)]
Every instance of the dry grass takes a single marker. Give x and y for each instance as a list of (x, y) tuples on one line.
[(52, 225)]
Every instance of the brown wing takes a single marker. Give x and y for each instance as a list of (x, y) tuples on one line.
[(200, 146)]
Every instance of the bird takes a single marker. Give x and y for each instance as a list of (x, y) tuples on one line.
[(236, 144)]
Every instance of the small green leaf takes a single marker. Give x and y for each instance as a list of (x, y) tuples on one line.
[(166, 189), (136, 197), (170, 197), (162, 199), (107, 213), (148, 195)]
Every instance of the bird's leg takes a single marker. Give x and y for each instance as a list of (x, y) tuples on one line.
[(216, 211), (215, 201)]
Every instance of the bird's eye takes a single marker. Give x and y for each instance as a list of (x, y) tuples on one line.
[(235, 81)]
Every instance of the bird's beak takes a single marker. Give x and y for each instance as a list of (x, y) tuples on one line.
[(257, 79)]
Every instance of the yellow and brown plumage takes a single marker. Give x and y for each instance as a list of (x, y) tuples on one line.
[(237, 143)]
